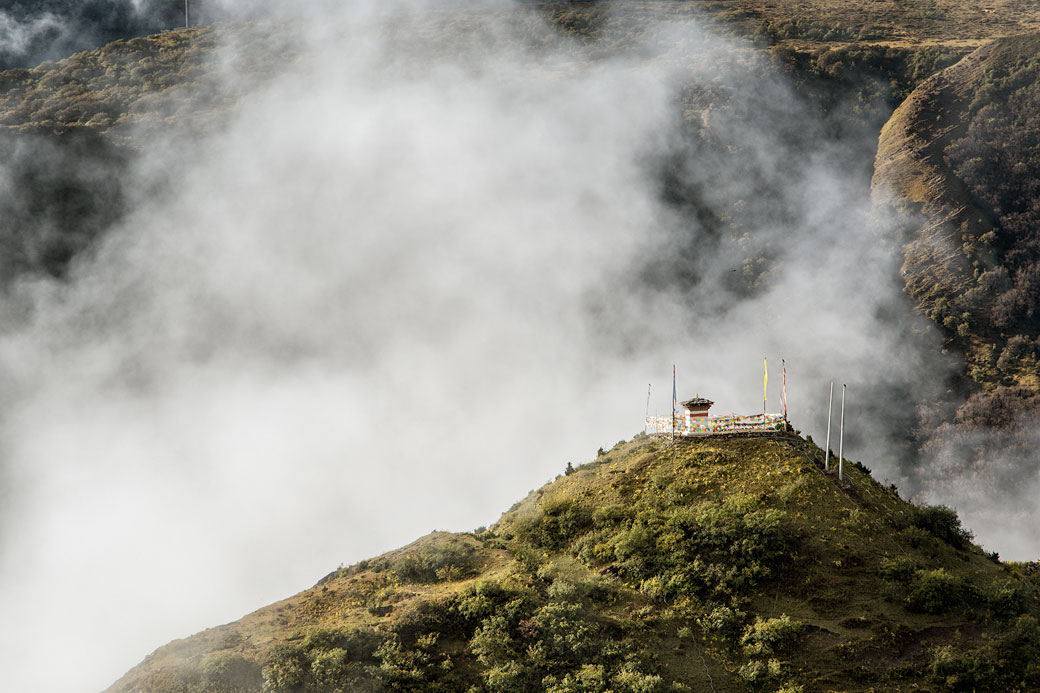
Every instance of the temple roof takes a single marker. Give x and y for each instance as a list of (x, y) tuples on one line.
[(697, 402)]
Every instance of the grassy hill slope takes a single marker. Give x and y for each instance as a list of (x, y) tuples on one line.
[(718, 564)]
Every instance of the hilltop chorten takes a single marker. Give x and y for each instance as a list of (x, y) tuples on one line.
[(698, 407)]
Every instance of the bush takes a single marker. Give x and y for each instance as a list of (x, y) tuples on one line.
[(483, 599), (325, 659), (722, 621), (558, 523), (445, 563), (565, 635), (1005, 599), (231, 671), (900, 569), (410, 668), (935, 591), (330, 669), (756, 671), (771, 636), (942, 522), (509, 676), (629, 681), (428, 616), (915, 537), (961, 671), (590, 678), (286, 669), (611, 515)]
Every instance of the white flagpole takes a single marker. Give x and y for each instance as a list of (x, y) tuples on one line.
[(646, 418), (841, 436), (827, 454), (673, 402)]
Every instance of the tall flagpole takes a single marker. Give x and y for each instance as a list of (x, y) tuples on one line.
[(186, 22), (841, 435), (783, 391), (673, 402), (765, 382), (830, 407), (646, 419)]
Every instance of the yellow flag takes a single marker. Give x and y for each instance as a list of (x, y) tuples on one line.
[(765, 382)]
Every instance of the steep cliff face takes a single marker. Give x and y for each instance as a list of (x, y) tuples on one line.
[(911, 171), (957, 159)]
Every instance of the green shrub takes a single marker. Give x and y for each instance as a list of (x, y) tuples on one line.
[(942, 522), (590, 678), (900, 569), (405, 668), (1005, 599), (330, 669), (756, 671), (493, 643), (961, 671), (637, 551), (631, 681), (722, 621), (444, 563), (172, 680), (611, 515), (485, 598), (428, 616), (566, 635), (558, 523), (935, 591), (286, 668), (915, 537), (323, 659), (1021, 643), (566, 590), (508, 677), (231, 671), (655, 589), (770, 636)]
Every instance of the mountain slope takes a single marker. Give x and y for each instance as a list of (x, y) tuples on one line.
[(961, 153), (721, 564)]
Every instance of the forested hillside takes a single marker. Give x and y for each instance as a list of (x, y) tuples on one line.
[(963, 150)]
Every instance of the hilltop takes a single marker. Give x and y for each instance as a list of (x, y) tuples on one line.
[(723, 564)]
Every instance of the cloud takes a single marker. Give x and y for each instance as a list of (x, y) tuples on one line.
[(990, 476), (411, 279)]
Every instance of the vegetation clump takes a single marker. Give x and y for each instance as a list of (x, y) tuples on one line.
[(942, 522), (447, 562)]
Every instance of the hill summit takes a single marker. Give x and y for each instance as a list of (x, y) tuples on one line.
[(711, 564)]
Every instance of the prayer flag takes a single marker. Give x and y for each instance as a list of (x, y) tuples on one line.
[(765, 382)]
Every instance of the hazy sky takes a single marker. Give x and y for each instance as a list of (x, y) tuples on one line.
[(404, 286)]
